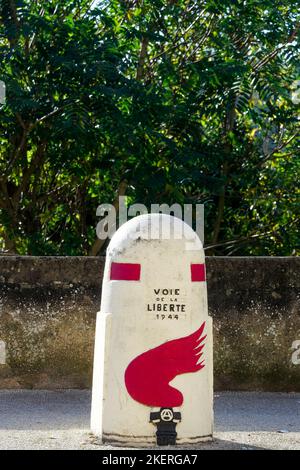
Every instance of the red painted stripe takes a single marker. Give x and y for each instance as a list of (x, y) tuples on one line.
[(198, 272), (125, 272)]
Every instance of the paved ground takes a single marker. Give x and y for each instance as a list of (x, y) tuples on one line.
[(60, 420)]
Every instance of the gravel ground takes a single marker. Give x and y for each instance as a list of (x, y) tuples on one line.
[(60, 420)]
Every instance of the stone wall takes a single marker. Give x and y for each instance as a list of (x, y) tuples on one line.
[(48, 307)]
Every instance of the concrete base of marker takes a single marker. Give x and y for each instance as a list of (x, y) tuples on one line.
[(137, 442)]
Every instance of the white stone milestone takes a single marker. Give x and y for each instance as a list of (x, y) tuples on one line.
[(153, 365)]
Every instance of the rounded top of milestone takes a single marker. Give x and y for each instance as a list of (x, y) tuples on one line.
[(154, 227)]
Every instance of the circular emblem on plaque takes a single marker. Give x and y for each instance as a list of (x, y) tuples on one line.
[(166, 414)]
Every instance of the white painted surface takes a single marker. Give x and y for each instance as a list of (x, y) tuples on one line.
[(125, 329)]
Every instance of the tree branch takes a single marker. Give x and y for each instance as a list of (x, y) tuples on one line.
[(143, 54), (98, 244), (279, 147), (273, 54)]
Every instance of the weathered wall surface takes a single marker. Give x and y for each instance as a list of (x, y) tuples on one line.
[(48, 308)]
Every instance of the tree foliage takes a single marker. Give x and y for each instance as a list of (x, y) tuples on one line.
[(166, 101)]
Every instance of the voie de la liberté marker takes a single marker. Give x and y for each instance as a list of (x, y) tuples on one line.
[(153, 365)]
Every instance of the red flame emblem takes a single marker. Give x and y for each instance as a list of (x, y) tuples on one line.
[(147, 377)]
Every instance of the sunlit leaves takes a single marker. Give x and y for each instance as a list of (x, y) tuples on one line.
[(186, 100)]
